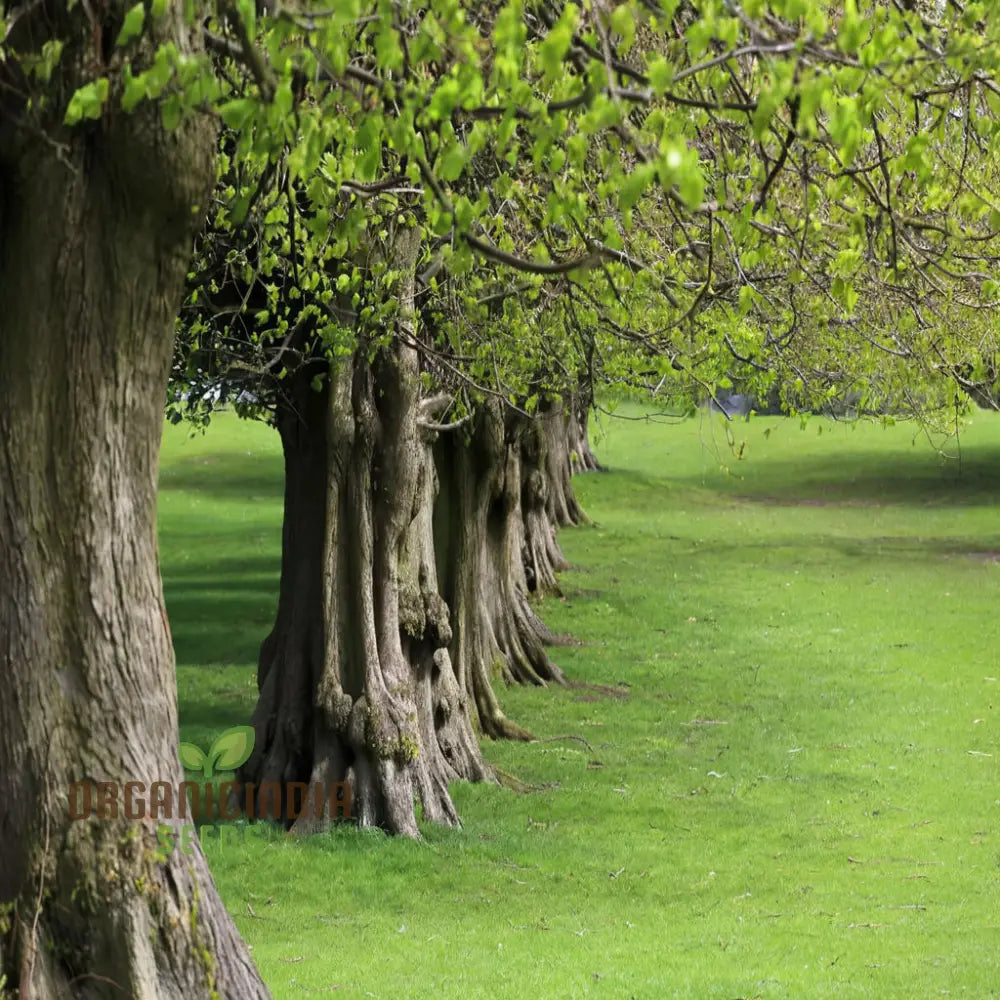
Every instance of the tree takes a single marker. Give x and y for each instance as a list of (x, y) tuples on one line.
[(327, 701), (653, 175), (743, 149), (480, 530), (356, 683), (97, 224)]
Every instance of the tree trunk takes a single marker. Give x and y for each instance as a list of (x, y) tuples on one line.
[(95, 237), (582, 458), (547, 498), (356, 684), (557, 434), (480, 538)]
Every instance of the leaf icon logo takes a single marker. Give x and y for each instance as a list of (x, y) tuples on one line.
[(193, 758), (228, 752)]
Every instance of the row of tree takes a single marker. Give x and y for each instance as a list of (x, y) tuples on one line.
[(424, 233)]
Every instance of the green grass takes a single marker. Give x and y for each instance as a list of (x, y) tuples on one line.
[(791, 787)]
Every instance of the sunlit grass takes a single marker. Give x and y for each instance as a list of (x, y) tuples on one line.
[(789, 782)]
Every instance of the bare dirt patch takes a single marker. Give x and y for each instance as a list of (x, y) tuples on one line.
[(598, 692)]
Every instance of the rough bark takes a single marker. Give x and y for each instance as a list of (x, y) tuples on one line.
[(582, 457), (543, 498), (556, 431), (96, 228), (479, 534), (356, 683)]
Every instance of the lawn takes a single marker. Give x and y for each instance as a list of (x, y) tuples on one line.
[(788, 691)]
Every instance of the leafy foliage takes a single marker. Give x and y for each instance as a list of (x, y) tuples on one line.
[(797, 197)]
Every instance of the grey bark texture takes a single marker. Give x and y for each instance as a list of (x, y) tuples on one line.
[(480, 538), (96, 228), (582, 457), (356, 682), (547, 498)]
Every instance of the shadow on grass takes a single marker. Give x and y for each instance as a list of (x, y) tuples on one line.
[(205, 709), (865, 478), (226, 476), (901, 548), (220, 612)]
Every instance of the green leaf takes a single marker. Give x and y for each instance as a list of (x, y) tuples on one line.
[(843, 291), (170, 111), (248, 14), (87, 102), (556, 44), (135, 90), (623, 24), (239, 209), (283, 98), (747, 299), (237, 113), (388, 51), (132, 25), (634, 184), (691, 185), (446, 98), (369, 146), (853, 28), (661, 74), (452, 163), (192, 757), (464, 213), (161, 72), (232, 748)]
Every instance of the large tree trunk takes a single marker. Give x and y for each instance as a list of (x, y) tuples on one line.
[(95, 238), (356, 684), (480, 539)]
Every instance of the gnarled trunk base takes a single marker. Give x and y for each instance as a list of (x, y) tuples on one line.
[(356, 683), (480, 542)]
